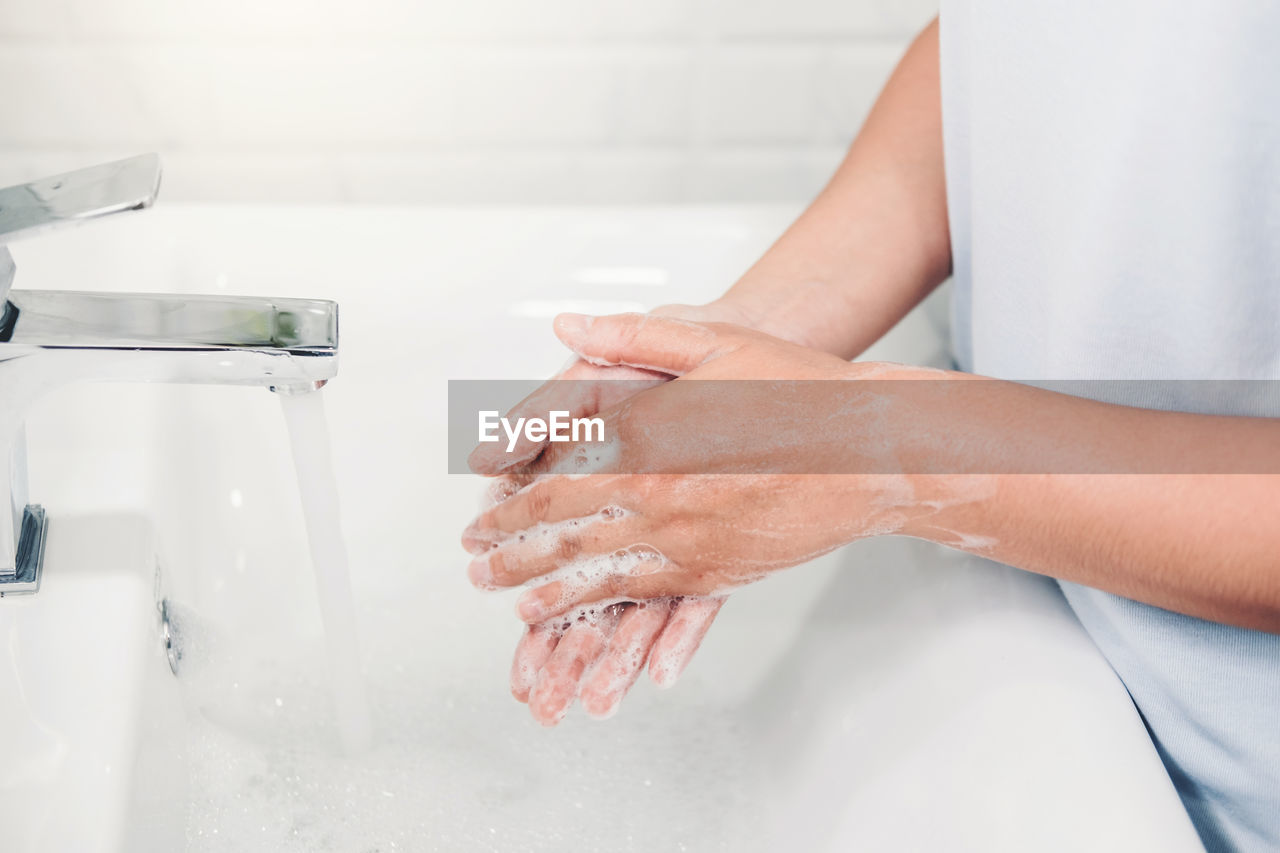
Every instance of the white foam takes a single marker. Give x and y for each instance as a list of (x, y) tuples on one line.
[(587, 573), (458, 764), (544, 537), (590, 458), (614, 674)]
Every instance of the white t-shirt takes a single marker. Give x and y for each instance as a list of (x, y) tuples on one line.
[(1113, 179)]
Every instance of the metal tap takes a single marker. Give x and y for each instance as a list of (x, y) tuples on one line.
[(49, 338)]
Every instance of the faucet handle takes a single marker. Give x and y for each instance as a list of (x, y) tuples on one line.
[(70, 199), (78, 196), (7, 270)]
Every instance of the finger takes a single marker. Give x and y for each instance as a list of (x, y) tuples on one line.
[(663, 344), (672, 651), (496, 491), (581, 545), (502, 488), (622, 661), (550, 500), (557, 683), (532, 652), (582, 390), (635, 574)]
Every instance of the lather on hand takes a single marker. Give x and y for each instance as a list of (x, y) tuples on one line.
[(984, 465), (596, 662), (653, 536), (871, 246)]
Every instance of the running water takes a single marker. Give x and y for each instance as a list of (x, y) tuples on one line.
[(313, 461)]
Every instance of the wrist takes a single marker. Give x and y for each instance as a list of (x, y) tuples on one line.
[(949, 509), (748, 312), (737, 310), (945, 487), (765, 313)]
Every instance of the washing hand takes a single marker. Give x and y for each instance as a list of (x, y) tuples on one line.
[(596, 661), (591, 542)]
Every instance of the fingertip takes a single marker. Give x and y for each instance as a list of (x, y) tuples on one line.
[(664, 673), (529, 609), (572, 328), (547, 718), (534, 649), (471, 544), (673, 651), (670, 656), (480, 573), (540, 604), (479, 534), (547, 704), (600, 707)]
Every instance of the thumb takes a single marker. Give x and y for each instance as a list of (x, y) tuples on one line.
[(664, 344)]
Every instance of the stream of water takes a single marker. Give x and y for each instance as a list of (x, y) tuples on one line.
[(313, 459), (456, 764)]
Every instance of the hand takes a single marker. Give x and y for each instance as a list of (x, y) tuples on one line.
[(598, 661), (584, 389), (619, 537), (597, 658)]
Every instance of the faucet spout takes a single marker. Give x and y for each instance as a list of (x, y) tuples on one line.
[(171, 338), (49, 338), (52, 338)]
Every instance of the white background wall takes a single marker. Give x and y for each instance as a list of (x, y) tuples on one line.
[(442, 101)]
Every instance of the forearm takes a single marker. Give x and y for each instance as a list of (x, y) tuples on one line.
[(1191, 532), (875, 242)]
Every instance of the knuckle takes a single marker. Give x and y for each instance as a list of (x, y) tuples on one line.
[(567, 547), (614, 586), (499, 568), (650, 586), (654, 489), (630, 325), (618, 332), (673, 309), (632, 415), (538, 504)]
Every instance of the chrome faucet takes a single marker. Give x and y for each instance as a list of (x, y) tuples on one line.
[(49, 338)]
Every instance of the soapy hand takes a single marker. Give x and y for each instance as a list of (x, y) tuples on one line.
[(589, 543), (597, 661), (584, 389)]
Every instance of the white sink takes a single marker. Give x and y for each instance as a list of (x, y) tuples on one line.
[(893, 695)]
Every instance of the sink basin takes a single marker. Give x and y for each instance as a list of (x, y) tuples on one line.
[(891, 695)]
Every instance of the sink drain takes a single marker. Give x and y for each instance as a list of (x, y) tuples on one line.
[(172, 649)]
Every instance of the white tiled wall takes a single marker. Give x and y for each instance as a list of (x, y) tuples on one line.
[(444, 101)]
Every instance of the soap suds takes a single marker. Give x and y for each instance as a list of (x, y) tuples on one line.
[(456, 764), (589, 458), (673, 651)]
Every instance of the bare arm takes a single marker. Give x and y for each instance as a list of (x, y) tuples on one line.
[(875, 242), (1180, 514), (1188, 528)]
